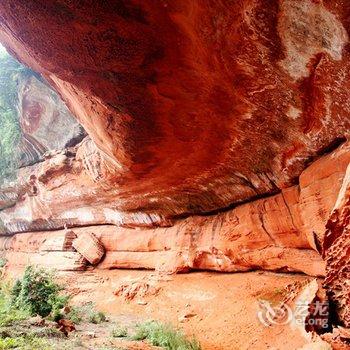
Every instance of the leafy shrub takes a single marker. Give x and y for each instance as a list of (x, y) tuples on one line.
[(97, 317), (165, 336), (119, 332), (38, 293), (9, 315), (75, 315), (12, 316), (86, 313)]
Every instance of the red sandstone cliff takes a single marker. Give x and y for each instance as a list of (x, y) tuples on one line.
[(280, 232), (192, 108), (193, 105)]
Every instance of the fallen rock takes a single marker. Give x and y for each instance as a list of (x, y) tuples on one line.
[(89, 247), (336, 340), (65, 326)]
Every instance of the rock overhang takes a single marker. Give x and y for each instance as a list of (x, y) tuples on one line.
[(193, 106)]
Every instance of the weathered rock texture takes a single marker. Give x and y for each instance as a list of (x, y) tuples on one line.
[(60, 192), (282, 232), (46, 122), (89, 246), (194, 105), (336, 250)]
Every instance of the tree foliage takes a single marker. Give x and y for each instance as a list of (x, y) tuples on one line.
[(10, 71), (38, 293)]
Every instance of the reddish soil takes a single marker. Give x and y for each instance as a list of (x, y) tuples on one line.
[(221, 308)]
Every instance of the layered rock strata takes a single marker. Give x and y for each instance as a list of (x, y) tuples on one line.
[(282, 232), (211, 108), (60, 192)]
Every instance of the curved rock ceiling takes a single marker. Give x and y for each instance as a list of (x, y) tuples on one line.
[(193, 105)]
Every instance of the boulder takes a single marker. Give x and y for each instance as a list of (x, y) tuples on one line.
[(89, 247)]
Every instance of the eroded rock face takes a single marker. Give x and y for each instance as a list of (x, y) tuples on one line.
[(336, 251), (60, 191), (194, 105), (191, 107), (282, 232), (45, 121)]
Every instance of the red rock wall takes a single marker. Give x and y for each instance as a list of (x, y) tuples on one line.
[(336, 251), (195, 105), (192, 107), (60, 191), (280, 232)]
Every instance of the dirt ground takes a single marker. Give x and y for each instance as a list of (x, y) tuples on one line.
[(219, 309)]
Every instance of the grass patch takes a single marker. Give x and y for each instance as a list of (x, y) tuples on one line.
[(24, 343), (75, 315), (97, 317), (47, 332), (119, 332), (37, 293), (165, 336), (15, 331), (86, 313)]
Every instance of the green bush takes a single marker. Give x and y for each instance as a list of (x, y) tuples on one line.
[(119, 332), (97, 317), (9, 315), (38, 293), (75, 315), (24, 343), (86, 313), (165, 336)]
